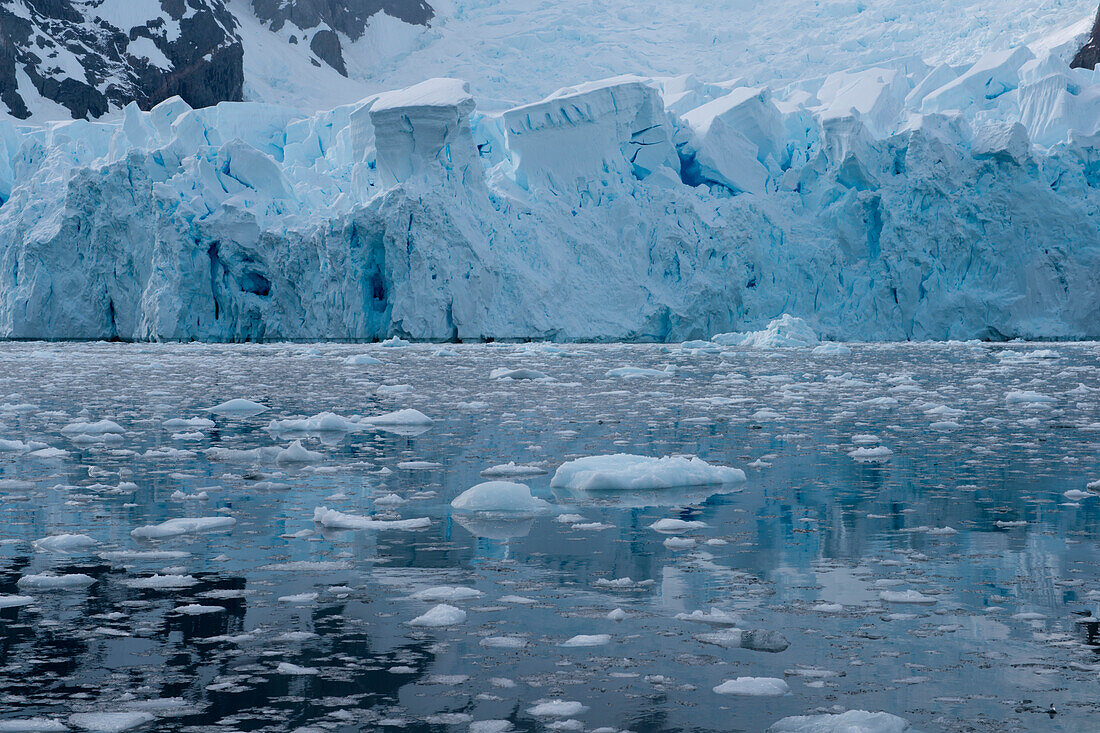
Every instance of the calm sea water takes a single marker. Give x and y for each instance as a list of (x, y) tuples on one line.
[(310, 632)]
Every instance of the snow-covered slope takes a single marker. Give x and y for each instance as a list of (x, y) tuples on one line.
[(898, 200)]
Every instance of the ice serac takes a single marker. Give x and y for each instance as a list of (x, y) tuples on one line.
[(579, 135), (425, 128)]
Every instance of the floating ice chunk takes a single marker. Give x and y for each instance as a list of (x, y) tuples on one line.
[(15, 601), (629, 472), (503, 642), (490, 726), (297, 453), (831, 349), (49, 453), (110, 722), (878, 454), (585, 640), (362, 360), (784, 332), (906, 596), (450, 593), (760, 640), (616, 614), (512, 470), (162, 582), (55, 582), (193, 423), (1028, 397), (1077, 495), (441, 615), (1093, 486), (294, 669), (419, 465), (182, 526), (400, 418), (33, 725), (499, 496), (676, 525), (505, 373), (338, 520), (714, 617), (754, 687), (852, 721), (628, 372), (557, 709), (65, 543), (238, 408), (299, 598), (100, 427), (196, 609), (325, 422)]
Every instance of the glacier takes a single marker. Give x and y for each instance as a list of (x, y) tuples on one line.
[(899, 201)]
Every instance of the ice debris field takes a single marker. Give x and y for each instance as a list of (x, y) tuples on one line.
[(763, 533), (949, 192)]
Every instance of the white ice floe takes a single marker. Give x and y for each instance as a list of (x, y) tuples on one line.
[(754, 687), (49, 581), (399, 418), (852, 721), (33, 725), (238, 408), (338, 520), (714, 617), (587, 640), (629, 372), (297, 453), (512, 470), (878, 454), (100, 427), (362, 360), (65, 543), (906, 596), (499, 496), (296, 670), (629, 472), (448, 593), (441, 615), (162, 582), (831, 349), (557, 709), (669, 524), (197, 609), (15, 601), (518, 374), (183, 526), (1028, 397), (110, 722)]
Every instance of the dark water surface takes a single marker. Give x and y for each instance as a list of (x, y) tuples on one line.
[(969, 511)]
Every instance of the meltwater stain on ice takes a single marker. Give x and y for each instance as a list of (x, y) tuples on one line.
[(601, 538)]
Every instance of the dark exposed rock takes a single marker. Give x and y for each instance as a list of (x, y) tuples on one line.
[(334, 17), (203, 63), (1089, 55)]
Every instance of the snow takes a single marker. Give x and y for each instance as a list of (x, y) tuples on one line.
[(183, 526), (439, 616), (852, 721), (753, 687), (629, 472), (499, 496)]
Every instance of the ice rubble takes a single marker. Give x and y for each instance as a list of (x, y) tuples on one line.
[(897, 201)]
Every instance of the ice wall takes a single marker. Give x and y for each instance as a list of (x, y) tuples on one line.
[(897, 202)]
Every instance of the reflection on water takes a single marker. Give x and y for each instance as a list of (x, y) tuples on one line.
[(953, 581)]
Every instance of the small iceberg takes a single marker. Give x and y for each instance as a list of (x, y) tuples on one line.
[(333, 519), (624, 472), (499, 496), (782, 333), (238, 408)]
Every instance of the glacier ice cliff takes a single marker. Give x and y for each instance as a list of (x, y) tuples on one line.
[(900, 201)]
